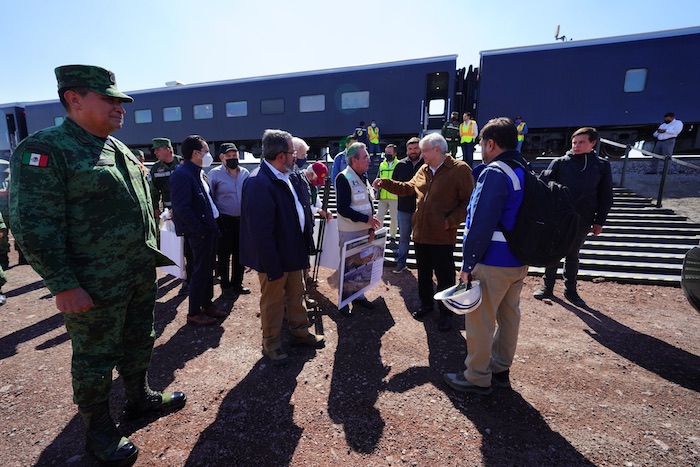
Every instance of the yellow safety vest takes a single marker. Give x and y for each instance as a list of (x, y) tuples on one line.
[(521, 137), (466, 132), (373, 135)]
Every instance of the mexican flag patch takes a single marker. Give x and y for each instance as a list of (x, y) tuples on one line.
[(37, 160)]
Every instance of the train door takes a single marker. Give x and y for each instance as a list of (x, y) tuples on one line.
[(437, 103)]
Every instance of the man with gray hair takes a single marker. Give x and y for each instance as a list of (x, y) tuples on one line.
[(276, 240), (354, 203), (442, 187)]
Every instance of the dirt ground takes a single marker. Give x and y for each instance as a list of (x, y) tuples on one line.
[(614, 384)]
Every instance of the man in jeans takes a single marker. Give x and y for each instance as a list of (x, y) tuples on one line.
[(403, 172)]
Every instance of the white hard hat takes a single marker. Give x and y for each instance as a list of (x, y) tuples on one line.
[(461, 298)]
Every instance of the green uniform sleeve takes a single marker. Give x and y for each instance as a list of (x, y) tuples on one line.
[(38, 210)]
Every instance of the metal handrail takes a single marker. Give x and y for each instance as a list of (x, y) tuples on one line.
[(664, 173)]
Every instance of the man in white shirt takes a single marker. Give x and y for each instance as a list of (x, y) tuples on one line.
[(665, 139)]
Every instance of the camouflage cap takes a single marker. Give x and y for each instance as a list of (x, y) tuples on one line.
[(92, 77), (160, 142), (226, 147)]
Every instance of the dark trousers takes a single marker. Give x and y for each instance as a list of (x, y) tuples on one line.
[(571, 262), (202, 281), (228, 252), (468, 153), (438, 259)]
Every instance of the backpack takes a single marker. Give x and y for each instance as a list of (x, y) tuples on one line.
[(546, 225)]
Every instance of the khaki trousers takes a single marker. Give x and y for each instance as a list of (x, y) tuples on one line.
[(490, 349), (286, 292)]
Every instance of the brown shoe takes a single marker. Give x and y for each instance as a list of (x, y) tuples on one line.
[(310, 340), (214, 311), (276, 355), (201, 320)]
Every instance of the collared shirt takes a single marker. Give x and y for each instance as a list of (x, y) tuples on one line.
[(673, 129), (205, 184), (226, 189), (285, 178)]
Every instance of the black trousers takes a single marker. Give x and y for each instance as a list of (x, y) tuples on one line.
[(571, 263), (438, 259), (201, 281), (229, 252)]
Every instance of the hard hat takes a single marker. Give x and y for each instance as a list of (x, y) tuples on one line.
[(461, 298)]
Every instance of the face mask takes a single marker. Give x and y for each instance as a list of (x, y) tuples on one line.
[(207, 160), (374, 125), (389, 157), (232, 163), (301, 163)]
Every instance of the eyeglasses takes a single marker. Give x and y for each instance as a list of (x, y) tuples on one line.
[(292, 153)]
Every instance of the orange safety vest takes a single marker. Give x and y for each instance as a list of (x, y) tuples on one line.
[(466, 132), (373, 135), (521, 137)]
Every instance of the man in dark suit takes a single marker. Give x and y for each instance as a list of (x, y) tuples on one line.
[(194, 214), (276, 239)]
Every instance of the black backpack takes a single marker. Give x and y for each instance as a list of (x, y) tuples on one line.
[(547, 223)]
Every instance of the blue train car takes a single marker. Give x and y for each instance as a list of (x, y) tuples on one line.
[(621, 85), (406, 98)]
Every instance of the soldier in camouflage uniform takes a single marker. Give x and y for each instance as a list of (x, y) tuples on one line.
[(84, 220), (4, 211), (450, 131), (160, 173)]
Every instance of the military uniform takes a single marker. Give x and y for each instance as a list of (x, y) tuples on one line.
[(4, 211), (160, 182), (450, 131), (83, 216)]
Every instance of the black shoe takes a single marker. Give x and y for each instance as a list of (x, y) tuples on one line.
[(501, 379), (103, 440), (228, 292), (445, 323), (242, 290), (364, 303), (422, 312), (161, 402), (310, 302), (573, 297), (345, 310), (543, 292)]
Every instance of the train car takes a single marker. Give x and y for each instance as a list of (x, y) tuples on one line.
[(13, 128), (406, 98), (621, 85)]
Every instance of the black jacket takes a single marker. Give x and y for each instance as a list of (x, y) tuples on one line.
[(403, 172), (589, 180), (192, 212)]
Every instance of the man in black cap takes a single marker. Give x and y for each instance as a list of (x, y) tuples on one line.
[(160, 174), (85, 222)]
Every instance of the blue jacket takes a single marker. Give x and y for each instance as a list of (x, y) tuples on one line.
[(271, 240), (192, 211), (493, 202)]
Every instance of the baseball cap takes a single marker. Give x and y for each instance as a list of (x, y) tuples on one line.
[(92, 77), (321, 171), (160, 142), (226, 147)]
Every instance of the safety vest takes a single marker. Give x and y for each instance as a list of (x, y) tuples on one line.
[(386, 170), (521, 136), (373, 135), (360, 201), (466, 132)]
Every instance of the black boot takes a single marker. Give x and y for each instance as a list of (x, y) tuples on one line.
[(103, 440), (141, 399)]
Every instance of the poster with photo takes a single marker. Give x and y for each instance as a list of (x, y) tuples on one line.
[(361, 266)]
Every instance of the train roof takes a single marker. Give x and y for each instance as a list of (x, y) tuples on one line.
[(599, 41)]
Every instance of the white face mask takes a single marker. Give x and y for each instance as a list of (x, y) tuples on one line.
[(207, 160)]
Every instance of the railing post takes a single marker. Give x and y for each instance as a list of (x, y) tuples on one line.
[(659, 198), (624, 165)]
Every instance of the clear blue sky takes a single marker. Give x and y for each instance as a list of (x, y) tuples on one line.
[(149, 42)]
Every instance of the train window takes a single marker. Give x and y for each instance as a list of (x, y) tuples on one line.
[(271, 106), (635, 79), (354, 100), (316, 103), (58, 120), (237, 109), (143, 116), (436, 107), (172, 114), (203, 111)]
